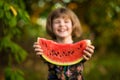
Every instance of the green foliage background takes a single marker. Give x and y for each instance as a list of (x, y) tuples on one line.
[(22, 21)]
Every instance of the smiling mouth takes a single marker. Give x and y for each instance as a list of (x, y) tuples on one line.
[(62, 30)]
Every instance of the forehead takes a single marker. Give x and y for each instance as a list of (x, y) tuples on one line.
[(62, 15)]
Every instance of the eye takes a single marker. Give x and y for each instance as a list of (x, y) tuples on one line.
[(66, 21), (56, 21)]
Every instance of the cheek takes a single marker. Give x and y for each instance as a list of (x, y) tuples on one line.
[(70, 28), (55, 26), (54, 29)]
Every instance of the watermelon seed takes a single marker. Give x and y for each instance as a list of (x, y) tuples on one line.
[(72, 52), (58, 53), (81, 46), (78, 48), (68, 51), (54, 53), (45, 45), (50, 53), (65, 54)]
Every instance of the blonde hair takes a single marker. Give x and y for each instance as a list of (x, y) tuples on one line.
[(76, 30)]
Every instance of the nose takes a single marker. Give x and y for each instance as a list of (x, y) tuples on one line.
[(62, 23)]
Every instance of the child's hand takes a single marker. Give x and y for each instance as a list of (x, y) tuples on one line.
[(37, 49), (88, 52)]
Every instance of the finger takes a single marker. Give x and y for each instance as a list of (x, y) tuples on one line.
[(90, 50), (36, 46), (85, 57), (36, 43), (39, 53), (87, 54), (91, 46), (38, 50)]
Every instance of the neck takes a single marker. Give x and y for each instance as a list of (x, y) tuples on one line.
[(65, 40)]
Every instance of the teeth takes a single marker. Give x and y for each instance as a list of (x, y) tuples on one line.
[(62, 30)]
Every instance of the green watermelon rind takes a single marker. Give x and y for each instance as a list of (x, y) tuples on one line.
[(62, 64), (88, 42)]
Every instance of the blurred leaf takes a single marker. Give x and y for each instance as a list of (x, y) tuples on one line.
[(6, 7), (18, 53), (1, 13), (23, 15), (13, 74), (1, 3), (8, 15), (12, 22)]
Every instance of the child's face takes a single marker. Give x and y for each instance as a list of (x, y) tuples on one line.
[(62, 27)]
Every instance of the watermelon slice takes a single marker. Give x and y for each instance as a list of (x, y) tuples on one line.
[(62, 54)]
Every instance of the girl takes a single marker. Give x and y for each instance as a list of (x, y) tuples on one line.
[(63, 25)]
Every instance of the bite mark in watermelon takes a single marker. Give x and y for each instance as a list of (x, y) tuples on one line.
[(62, 54)]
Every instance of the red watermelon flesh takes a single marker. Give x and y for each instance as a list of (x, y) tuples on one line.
[(62, 54)]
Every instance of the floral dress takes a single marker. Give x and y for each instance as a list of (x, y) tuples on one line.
[(73, 72)]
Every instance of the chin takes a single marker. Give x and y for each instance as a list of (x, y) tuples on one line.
[(62, 36)]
